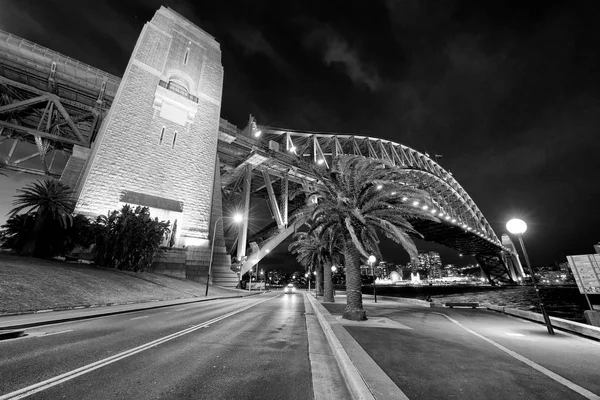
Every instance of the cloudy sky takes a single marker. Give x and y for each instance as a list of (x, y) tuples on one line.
[(507, 91)]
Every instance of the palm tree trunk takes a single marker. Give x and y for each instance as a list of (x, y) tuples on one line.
[(354, 309), (29, 247), (328, 283), (319, 284)]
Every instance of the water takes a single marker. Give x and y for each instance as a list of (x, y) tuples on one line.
[(560, 301)]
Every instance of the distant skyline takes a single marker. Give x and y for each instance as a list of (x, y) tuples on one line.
[(508, 92)]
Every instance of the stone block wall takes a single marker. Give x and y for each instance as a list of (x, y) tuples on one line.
[(156, 141), (170, 262)]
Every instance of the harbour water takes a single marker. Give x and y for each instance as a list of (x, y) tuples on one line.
[(560, 301)]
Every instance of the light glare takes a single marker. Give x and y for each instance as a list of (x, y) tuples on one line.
[(516, 226)]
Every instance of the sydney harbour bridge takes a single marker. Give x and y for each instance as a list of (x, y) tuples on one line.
[(54, 112)]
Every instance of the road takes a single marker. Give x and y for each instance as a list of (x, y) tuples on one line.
[(249, 348)]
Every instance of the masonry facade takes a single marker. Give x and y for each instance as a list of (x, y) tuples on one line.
[(157, 146)]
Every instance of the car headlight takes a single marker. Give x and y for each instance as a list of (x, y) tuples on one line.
[(293, 290), (285, 290)]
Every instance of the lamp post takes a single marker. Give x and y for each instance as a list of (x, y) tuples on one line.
[(333, 271), (518, 227), (237, 218), (371, 263)]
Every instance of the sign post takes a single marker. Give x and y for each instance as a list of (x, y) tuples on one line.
[(586, 269)]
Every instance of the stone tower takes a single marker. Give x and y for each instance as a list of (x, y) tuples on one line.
[(157, 146)]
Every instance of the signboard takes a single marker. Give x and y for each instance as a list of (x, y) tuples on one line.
[(586, 269)]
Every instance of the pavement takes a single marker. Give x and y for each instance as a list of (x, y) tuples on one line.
[(408, 350)]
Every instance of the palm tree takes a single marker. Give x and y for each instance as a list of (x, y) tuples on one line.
[(48, 200), (312, 252), (354, 200)]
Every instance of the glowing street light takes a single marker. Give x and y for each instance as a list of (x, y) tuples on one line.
[(237, 218), (379, 186), (518, 227)]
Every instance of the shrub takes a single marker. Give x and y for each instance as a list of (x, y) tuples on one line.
[(128, 239), (54, 239)]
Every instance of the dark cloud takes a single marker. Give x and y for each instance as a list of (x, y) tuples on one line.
[(336, 51)]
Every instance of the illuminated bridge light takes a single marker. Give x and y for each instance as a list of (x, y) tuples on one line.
[(320, 161), (447, 217), (404, 198), (393, 193), (379, 187), (441, 214), (453, 220), (433, 211), (415, 203), (292, 149), (425, 207)]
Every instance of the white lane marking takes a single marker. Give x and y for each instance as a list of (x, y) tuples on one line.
[(145, 316), (513, 334), (48, 383), (563, 381), (181, 309), (56, 333)]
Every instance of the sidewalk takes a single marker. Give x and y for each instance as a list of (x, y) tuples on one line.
[(413, 351)]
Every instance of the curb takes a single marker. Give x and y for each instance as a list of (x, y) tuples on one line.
[(587, 331), (356, 377), (103, 313)]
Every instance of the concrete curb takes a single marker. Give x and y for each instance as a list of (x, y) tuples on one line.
[(101, 312), (356, 385), (363, 370), (588, 331)]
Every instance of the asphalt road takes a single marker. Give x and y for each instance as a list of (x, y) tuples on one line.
[(208, 350), (477, 354)]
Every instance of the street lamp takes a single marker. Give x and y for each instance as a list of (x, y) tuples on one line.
[(518, 227), (237, 218), (371, 261)]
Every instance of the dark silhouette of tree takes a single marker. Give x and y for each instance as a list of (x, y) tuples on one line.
[(51, 202)]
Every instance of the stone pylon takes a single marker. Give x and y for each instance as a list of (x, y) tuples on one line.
[(157, 147), (158, 144)]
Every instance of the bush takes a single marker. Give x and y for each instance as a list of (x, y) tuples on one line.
[(128, 239), (54, 239)]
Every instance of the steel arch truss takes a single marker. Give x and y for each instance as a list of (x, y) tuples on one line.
[(463, 226)]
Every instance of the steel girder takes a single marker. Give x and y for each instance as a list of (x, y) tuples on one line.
[(456, 209), (493, 265)]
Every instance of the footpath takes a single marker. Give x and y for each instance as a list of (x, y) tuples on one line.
[(410, 350)]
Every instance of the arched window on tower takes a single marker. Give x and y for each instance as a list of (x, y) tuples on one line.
[(179, 86)]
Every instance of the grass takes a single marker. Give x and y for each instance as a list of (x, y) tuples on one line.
[(29, 284)]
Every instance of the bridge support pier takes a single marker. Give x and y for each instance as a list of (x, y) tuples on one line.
[(492, 264)]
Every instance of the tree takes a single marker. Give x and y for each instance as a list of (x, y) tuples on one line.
[(355, 200), (57, 239), (128, 239), (312, 252), (51, 202)]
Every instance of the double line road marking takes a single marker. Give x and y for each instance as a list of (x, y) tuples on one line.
[(40, 386)]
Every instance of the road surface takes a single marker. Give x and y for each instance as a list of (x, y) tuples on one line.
[(249, 348)]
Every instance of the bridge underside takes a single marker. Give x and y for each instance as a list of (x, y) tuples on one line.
[(50, 104)]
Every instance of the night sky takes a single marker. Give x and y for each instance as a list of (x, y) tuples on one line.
[(507, 91)]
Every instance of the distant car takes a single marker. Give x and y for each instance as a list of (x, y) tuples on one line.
[(290, 288)]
